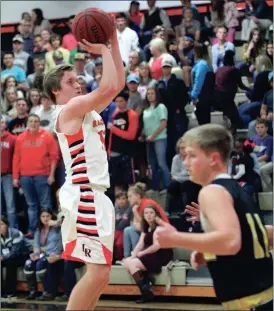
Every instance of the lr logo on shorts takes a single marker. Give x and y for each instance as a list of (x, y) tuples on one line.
[(86, 250)]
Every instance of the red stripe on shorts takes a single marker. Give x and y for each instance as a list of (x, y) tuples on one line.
[(87, 230)]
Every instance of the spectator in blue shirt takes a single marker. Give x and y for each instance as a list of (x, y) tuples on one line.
[(202, 78), (12, 70), (219, 49), (264, 142)]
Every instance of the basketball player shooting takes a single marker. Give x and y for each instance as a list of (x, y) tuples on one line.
[(88, 226), (235, 243)]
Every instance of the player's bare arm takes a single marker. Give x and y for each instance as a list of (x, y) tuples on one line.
[(75, 110), (269, 230), (225, 238), (121, 80)]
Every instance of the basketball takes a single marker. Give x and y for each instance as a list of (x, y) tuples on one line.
[(94, 25)]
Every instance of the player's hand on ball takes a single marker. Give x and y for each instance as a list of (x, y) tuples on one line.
[(164, 234), (92, 47), (197, 260)]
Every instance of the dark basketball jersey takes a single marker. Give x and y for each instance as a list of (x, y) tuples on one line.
[(245, 279)]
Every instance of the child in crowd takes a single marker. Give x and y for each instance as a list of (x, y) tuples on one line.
[(123, 214), (263, 142)]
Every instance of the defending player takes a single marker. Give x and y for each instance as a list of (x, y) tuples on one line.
[(234, 244), (88, 227)]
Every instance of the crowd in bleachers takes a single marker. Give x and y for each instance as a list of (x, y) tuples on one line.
[(174, 74)]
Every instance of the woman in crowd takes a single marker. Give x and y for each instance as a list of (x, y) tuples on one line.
[(146, 257), (34, 101), (45, 261), (15, 249), (45, 35), (155, 134), (138, 201), (10, 96), (39, 22), (145, 78), (159, 53), (251, 50), (251, 110)]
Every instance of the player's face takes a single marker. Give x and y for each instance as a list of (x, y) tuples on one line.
[(133, 198), (45, 218), (197, 163), (149, 215), (69, 87)]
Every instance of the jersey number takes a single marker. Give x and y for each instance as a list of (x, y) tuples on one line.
[(260, 251), (102, 139)]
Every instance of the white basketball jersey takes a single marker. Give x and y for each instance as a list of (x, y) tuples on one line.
[(84, 153)]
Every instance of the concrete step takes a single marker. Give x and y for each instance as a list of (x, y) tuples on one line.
[(266, 201)]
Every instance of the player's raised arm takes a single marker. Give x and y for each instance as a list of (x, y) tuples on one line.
[(78, 106)]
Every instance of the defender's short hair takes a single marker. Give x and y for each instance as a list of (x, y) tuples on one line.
[(52, 80), (210, 138)]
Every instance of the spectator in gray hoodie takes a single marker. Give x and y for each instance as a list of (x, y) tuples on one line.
[(181, 191)]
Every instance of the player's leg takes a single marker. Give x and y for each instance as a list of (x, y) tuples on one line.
[(88, 290)]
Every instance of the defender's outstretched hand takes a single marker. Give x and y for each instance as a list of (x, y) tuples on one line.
[(194, 211)]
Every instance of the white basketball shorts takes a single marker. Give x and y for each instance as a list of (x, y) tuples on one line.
[(88, 226)]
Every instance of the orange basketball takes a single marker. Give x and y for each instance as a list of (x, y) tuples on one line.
[(94, 25)]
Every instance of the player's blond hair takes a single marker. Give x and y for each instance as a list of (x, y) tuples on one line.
[(52, 80), (211, 138)]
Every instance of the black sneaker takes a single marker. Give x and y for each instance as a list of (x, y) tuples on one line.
[(62, 298), (31, 296), (46, 297)]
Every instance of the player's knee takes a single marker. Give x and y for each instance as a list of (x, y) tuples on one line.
[(99, 272)]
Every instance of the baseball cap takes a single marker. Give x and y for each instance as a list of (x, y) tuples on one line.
[(98, 61), (132, 78), (167, 63), (18, 38), (79, 56), (270, 76)]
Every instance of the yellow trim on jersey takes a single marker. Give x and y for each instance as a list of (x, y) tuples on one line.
[(246, 303)]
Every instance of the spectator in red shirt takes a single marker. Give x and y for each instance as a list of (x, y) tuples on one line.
[(7, 150), (69, 41), (134, 12), (34, 163)]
